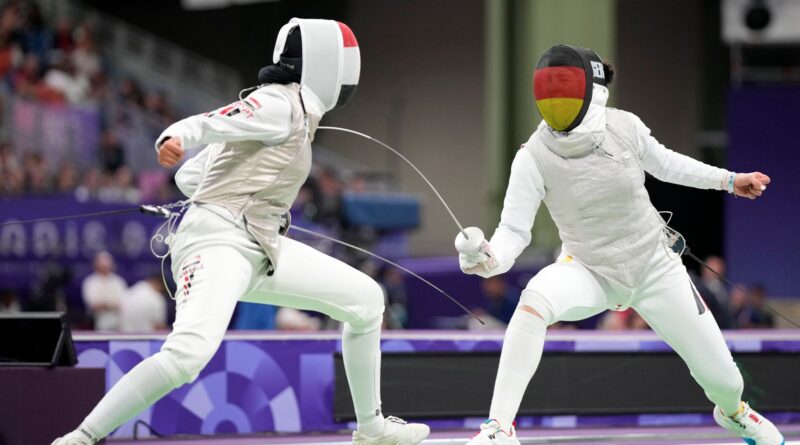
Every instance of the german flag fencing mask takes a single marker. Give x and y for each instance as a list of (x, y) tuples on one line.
[(330, 64), (563, 82)]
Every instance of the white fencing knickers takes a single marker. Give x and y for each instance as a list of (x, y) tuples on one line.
[(215, 265), (665, 298)]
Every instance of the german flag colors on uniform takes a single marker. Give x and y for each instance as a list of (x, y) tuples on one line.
[(562, 85)]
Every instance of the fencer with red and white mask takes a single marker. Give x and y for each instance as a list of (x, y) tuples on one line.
[(587, 163), (229, 248)]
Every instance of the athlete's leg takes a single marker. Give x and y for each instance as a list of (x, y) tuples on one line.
[(669, 303), (210, 282), (559, 292), (308, 279)]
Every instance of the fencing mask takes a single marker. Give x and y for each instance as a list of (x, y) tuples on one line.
[(329, 64), (563, 82)]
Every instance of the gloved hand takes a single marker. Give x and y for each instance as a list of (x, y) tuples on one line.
[(475, 255)]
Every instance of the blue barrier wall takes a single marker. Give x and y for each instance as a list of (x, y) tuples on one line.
[(762, 239)]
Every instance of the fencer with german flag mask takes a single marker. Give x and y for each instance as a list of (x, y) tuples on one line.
[(229, 248), (587, 163)]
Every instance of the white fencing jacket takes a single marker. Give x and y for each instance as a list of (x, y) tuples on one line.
[(258, 157), (592, 181)]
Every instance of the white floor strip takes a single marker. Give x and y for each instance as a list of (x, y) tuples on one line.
[(554, 439)]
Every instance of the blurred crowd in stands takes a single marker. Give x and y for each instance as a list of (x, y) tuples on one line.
[(31, 174), (61, 64)]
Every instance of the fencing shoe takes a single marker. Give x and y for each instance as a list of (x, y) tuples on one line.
[(395, 432), (492, 434), (751, 426), (77, 437)]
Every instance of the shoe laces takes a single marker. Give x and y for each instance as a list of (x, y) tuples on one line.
[(745, 417), (487, 424), (397, 420)]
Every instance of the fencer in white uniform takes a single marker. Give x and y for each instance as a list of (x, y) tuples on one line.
[(228, 247), (587, 163)]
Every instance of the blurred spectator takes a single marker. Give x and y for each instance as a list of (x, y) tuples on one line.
[(26, 81), (36, 173), (613, 321), (501, 300), (636, 322), (143, 308), (130, 94), (720, 311), (157, 107), (396, 315), (757, 316), (103, 291), (119, 187), (738, 306), (626, 320), (8, 301), (90, 186), (98, 87), (85, 57), (62, 39), (563, 326), (712, 287), (67, 177), (12, 179), (712, 281), (10, 52), (64, 78), (355, 183), (327, 191), (111, 153), (36, 38)]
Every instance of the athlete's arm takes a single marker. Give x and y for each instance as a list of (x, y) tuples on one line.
[(523, 196), (669, 166), (264, 116)]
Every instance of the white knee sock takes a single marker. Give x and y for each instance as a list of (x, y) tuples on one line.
[(362, 362), (147, 382), (522, 351)]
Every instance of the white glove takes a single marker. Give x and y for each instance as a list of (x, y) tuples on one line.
[(474, 254)]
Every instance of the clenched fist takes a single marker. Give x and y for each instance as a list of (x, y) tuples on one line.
[(750, 185), (170, 152)]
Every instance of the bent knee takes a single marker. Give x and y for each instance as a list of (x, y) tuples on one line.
[(367, 314), (535, 303), (530, 310), (185, 356)]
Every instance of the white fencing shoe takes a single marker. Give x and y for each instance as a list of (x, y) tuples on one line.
[(77, 437), (751, 426), (396, 431), (492, 434)]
